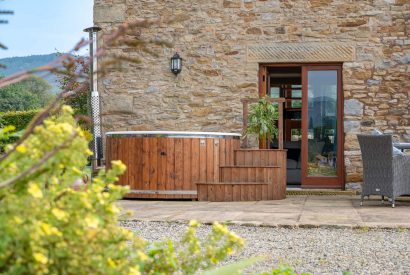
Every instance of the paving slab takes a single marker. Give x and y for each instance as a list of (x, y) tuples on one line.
[(294, 211)]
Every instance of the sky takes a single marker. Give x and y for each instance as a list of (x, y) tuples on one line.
[(44, 26)]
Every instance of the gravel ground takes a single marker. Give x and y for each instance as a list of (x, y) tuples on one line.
[(318, 251)]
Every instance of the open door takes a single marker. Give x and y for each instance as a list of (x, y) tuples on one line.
[(322, 127), (263, 80)]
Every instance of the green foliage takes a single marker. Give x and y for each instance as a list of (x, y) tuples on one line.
[(31, 93), (48, 228), (283, 270), (8, 135), (232, 269), (262, 117), (70, 81), (17, 64), (191, 253), (18, 119), (14, 123)]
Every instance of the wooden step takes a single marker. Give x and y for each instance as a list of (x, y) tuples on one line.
[(257, 157), (232, 191), (248, 173)]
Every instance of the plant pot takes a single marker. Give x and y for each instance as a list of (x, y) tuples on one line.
[(263, 144)]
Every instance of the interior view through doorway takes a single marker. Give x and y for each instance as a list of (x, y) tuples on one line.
[(312, 122), (286, 82)]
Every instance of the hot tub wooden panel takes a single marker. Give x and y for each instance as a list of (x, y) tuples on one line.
[(168, 167)]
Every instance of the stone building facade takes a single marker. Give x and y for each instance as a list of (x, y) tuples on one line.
[(214, 37)]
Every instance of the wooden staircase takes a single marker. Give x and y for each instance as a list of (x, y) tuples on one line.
[(255, 174)]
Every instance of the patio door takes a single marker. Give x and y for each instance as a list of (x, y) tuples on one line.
[(322, 127)]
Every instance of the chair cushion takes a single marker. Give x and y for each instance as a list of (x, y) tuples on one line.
[(396, 152), (291, 164)]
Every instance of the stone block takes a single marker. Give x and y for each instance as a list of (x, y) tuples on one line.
[(353, 107), (232, 3), (352, 127), (352, 22), (109, 14), (118, 103), (353, 185), (351, 142), (319, 3), (373, 82), (367, 122), (152, 89), (254, 30)]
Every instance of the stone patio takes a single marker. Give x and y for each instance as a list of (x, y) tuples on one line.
[(295, 211)]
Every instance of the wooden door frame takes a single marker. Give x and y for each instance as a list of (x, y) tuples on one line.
[(323, 182), (314, 182)]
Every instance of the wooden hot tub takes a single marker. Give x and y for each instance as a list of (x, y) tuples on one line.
[(166, 165)]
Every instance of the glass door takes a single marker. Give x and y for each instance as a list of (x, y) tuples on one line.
[(322, 144)]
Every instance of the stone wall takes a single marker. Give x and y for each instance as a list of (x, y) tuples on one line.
[(213, 37)]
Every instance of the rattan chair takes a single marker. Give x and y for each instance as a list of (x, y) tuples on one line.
[(383, 173)]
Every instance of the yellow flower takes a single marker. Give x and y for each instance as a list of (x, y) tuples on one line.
[(91, 222), (142, 256), (127, 233), (50, 230), (67, 109), (40, 257), (35, 191), (21, 149), (17, 220), (77, 171), (59, 214), (113, 209), (86, 134), (194, 223), (221, 228), (67, 127), (134, 271), (111, 263), (118, 164)]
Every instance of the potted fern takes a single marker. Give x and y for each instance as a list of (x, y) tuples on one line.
[(262, 117)]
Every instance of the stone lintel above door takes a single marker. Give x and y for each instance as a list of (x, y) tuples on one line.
[(301, 52)]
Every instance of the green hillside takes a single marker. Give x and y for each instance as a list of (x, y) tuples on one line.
[(17, 64)]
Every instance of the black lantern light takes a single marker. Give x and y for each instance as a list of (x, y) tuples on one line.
[(176, 64)]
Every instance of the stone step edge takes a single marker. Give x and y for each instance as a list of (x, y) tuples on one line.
[(361, 227), (232, 183), (321, 192)]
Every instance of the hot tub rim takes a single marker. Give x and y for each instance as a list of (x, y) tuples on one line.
[(171, 134)]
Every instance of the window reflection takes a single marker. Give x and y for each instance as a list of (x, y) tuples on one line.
[(322, 119)]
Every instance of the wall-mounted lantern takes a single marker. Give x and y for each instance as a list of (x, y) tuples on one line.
[(176, 64)]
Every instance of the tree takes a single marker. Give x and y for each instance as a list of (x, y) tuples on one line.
[(69, 81), (31, 93)]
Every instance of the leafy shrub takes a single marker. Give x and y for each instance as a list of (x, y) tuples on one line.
[(18, 119), (14, 123), (31, 93), (47, 227)]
